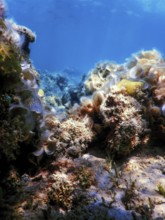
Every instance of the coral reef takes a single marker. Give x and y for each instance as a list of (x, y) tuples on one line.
[(60, 142)]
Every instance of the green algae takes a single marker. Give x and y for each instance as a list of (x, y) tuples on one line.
[(9, 59), (161, 190), (130, 86)]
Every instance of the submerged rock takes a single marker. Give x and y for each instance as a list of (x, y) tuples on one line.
[(58, 153)]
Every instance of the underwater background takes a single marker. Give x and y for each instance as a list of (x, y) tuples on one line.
[(73, 35), (82, 119)]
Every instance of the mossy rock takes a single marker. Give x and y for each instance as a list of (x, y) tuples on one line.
[(2, 25), (9, 59), (10, 67)]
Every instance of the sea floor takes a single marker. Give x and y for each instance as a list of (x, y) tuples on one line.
[(94, 187)]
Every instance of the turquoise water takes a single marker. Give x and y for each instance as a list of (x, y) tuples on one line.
[(76, 34)]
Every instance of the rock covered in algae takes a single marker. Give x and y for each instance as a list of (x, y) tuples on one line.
[(10, 67), (19, 101), (104, 75), (151, 69), (9, 59), (21, 108), (70, 137), (122, 116), (121, 102), (141, 77)]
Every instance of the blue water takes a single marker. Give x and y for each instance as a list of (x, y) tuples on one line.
[(76, 34)]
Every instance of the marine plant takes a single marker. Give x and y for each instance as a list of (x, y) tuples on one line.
[(130, 194), (130, 86), (9, 59), (161, 190), (10, 68), (61, 194), (85, 177)]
